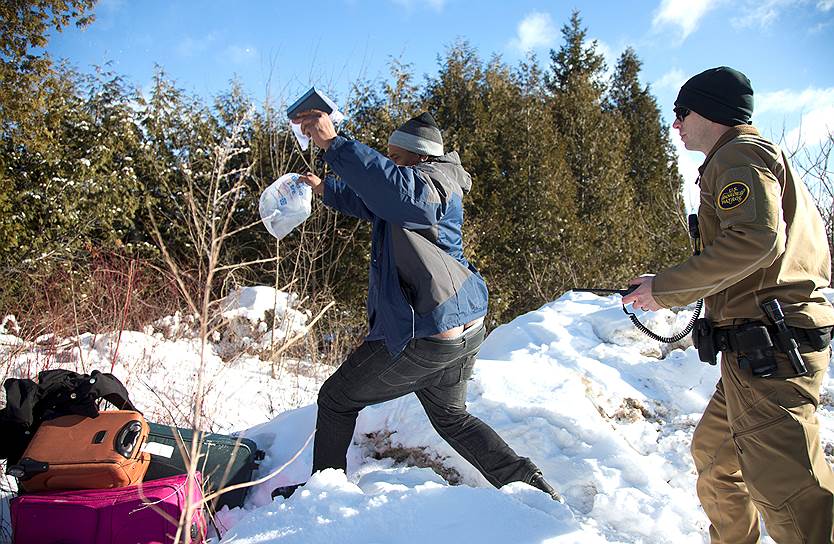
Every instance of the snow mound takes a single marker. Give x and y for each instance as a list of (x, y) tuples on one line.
[(607, 415), (608, 424), (406, 505), (259, 319)]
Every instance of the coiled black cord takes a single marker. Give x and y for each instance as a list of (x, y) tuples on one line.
[(666, 339), (695, 235)]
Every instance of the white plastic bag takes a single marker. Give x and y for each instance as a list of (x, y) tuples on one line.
[(285, 204)]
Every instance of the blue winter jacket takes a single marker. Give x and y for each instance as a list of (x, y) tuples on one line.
[(420, 283)]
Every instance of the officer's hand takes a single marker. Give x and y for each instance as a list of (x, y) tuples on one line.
[(642, 297), (314, 182), (318, 126)]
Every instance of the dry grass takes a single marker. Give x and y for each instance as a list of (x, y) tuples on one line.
[(380, 446)]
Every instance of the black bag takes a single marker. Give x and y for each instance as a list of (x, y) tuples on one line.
[(223, 460)]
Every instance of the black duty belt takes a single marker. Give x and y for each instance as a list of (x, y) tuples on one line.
[(756, 342), (739, 338)]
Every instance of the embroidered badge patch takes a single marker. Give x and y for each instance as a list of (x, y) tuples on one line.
[(733, 195)]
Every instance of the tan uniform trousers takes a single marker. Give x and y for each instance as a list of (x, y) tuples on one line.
[(757, 449)]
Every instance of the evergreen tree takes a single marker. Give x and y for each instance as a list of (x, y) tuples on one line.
[(455, 99), (607, 248), (74, 185), (651, 166), (376, 109), (522, 197), (235, 117), (182, 139), (574, 182), (547, 191), (27, 78), (197, 169), (515, 217), (24, 66)]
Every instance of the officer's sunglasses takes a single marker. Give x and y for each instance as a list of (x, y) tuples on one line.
[(681, 113)]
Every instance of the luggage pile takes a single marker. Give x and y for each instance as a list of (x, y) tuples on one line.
[(109, 476)]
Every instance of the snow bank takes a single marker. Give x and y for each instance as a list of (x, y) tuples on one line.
[(605, 412), (570, 386)]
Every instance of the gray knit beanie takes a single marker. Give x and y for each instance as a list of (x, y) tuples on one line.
[(419, 135)]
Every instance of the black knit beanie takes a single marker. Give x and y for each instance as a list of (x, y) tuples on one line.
[(720, 94), (419, 135)]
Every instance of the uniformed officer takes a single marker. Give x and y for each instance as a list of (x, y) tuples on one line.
[(757, 446)]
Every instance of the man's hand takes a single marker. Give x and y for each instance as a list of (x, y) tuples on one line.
[(316, 125), (642, 297), (314, 182)]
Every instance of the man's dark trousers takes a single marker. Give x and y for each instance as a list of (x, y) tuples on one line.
[(436, 370)]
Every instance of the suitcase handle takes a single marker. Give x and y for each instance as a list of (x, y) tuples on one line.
[(26, 468), (128, 438)]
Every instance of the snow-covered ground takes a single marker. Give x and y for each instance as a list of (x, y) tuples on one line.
[(605, 412)]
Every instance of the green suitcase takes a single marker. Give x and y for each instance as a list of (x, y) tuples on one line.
[(223, 460)]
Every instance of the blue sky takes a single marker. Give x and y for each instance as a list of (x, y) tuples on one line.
[(786, 47)]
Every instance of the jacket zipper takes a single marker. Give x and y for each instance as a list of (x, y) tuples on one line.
[(413, 324), (126, 492), (127, 461)]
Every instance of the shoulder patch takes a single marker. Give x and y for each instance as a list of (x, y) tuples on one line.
[(733, 195)]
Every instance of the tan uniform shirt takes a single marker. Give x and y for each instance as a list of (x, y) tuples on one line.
[(763, 239)]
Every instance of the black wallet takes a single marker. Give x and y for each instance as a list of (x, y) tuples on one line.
[(312, 100)]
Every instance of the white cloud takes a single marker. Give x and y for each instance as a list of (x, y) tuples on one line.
[(814, 128), (605, 50), (673, 79), (608, 55), (761, 13), (788, 100), (241, 54), (684, 14), (189, 47), (798, 118), (534, 31), (688, 163), (819, 27)]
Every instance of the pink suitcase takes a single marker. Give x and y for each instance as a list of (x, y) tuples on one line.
[(120, 515)]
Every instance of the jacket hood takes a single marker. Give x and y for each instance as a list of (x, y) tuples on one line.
[(450, 164)]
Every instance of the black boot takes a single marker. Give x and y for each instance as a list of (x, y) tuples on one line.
[(285, 491), (538, 481)]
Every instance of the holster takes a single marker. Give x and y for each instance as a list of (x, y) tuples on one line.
[(704, 342), (754, 346)]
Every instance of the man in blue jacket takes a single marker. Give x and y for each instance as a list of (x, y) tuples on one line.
[(426, 302)]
